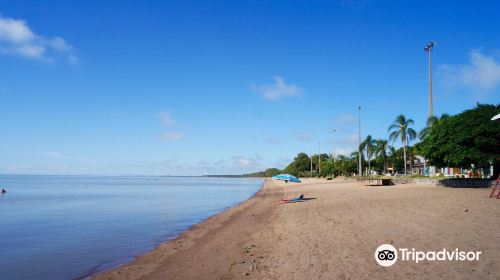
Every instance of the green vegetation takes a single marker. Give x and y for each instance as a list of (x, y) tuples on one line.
[(381, 151), (369, 144), (400, 128), (464, 139), (447, 141)]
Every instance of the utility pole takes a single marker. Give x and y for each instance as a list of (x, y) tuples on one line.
[(334, 144), (428, 48), (319, 159), (359, 142), (311, 162)]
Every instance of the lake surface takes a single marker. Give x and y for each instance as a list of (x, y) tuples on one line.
[(67, 227)]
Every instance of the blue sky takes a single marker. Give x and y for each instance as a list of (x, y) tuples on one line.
[(227, 87)]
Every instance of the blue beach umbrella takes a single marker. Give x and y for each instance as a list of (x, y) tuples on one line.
[(287, 178)]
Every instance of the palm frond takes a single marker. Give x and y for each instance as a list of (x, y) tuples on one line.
[(412, 134)]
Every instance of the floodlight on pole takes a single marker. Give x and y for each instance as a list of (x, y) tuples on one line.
[(334, 130), (311, 162), (319, 159), (428, 48), (360, 171)]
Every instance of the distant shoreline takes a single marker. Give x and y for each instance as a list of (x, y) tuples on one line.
[(153, 176), (232, 176)]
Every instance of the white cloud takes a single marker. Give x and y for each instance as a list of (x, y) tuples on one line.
[(273, 140), (166, 118), (304, 136), (279, 89), (345, 119), (168, 121), (350, 139), (482, 73), (64, 157), (172, 136), (247, 162), (17, 38)]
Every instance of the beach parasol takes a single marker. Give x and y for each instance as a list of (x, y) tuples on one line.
[(497, 117), (287, 178)]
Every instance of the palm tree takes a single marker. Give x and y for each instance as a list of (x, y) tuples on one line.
[(381, 150), (392, 156), (400, 129), (430, 122), (369, 144)]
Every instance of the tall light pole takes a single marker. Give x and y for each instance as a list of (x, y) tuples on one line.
[(360, 171), (334, 130), (428, 48), (311, 162), (319, 159)]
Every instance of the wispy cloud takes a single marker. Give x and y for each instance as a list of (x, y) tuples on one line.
[(247, 162), (304, 136), (166, 118), (345, 119), (64, 157), (172, 136), (17, 38), (481, 73), (280, 89), (273, 140)]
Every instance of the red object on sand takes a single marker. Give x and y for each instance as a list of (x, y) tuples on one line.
[(495, 188)]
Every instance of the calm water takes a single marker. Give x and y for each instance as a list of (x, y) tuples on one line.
[(65, 227)]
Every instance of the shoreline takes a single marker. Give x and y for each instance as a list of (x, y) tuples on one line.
[(332, 235), (200, 228), (95, 271)]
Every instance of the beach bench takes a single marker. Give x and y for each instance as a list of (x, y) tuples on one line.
[(377, 181)]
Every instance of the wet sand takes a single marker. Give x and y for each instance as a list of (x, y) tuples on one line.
[(333, 235)]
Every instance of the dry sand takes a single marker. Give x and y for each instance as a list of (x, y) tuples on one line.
[(333, 236)]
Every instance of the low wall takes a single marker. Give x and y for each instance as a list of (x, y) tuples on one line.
[(467, 183), (449, 182), (452, 182)]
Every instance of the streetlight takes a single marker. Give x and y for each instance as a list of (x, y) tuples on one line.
[(428, 48), (334, 130), (311, 162), (360, 172), (319, 159)]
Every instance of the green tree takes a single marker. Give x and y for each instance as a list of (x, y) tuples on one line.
[(300, 164), (316, 159), (400, 128), (369, 143), (430, 122), (345, 166), (464, 139), (381, 150), (270, 172)]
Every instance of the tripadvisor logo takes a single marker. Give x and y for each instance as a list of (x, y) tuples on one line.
[(387, 255)]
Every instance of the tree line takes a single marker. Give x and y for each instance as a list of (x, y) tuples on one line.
[(468, 140)]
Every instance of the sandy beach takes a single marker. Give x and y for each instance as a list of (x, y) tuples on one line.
[(333, 235)]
